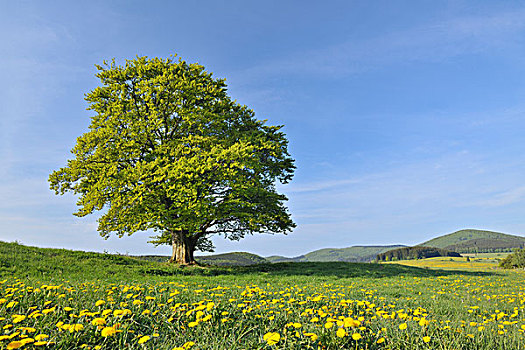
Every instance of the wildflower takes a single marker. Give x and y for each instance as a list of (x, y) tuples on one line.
[(108, 331), (188, 345), (272, 338), (42, 342), (380, 340), (341, 333), (356, 336), (98, 321), (426, 339), (144, 339), (18, 318), (403, 326), (312, 336), (15, 345), (423, 322)]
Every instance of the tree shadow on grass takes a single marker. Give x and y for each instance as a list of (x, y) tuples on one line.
[(318, 269)]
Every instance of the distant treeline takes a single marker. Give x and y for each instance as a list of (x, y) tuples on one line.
[(417, 252)]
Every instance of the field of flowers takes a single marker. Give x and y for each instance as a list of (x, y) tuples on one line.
[(445, 262), (451, 311)]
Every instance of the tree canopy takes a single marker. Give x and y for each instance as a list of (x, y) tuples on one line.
[(168, 150)]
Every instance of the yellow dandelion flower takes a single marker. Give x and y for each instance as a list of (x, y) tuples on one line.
[(15, 345), (99, 321), (403, 326), (41, 342), (108, 331), (188, 345), (144, 339), (18, 318), (272, 338), (356, 336), (426, 339), (341, 333), (76, 327), (312, 336), (380, 340), (423, 322)]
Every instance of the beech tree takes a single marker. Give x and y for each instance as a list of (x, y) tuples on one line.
[(169, 151)]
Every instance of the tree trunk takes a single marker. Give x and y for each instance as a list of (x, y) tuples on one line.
[(183, 248)]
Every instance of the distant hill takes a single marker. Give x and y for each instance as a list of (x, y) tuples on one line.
[(278, 259), (472, 241), (417, 252), (350, 254), (227, 259)]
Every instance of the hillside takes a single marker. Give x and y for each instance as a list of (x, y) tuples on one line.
[(471, 241), (350, 254), (61, 264)]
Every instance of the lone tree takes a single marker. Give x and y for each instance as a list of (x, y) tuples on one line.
[(169, 151)]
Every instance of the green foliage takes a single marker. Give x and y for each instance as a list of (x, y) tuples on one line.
[(477, 241), (168, 150), (514, 260)]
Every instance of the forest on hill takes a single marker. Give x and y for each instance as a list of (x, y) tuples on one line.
[(477, 241), (417, 252)]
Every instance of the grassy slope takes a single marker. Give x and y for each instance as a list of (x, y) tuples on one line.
[(464, 239), (61, 264), (350, 254)]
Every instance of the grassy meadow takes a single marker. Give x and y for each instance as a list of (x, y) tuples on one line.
[(52, 298), (487, 261)]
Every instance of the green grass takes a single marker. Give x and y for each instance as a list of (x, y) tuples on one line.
[(48, 290)]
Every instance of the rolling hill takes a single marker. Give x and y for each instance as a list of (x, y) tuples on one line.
[(350, 254), (472, 241)]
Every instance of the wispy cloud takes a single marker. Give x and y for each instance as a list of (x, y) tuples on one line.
[(432, 42), (502, 198)]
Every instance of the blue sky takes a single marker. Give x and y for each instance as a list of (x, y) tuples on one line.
[(405, 118)]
